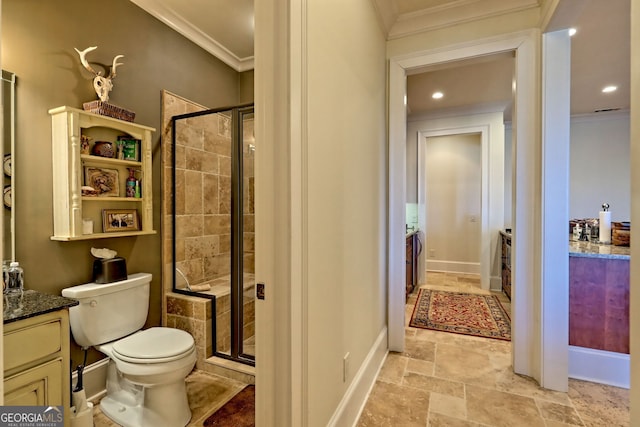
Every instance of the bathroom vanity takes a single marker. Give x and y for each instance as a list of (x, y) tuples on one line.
[(411, 260), (36, 350), (599, 296), (505, 264)]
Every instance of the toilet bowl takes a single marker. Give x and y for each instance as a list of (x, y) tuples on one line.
[(146, 378), (147, 368)]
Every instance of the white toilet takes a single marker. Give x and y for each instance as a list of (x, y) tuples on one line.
[(147, 368)]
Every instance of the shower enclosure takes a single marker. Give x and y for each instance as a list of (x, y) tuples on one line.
[(213, 220)]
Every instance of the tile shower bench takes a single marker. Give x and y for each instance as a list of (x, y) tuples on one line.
[(599, 296)]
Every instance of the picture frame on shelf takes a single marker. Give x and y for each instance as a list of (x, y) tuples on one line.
[(114, 220), (105, 182), (128, 148)]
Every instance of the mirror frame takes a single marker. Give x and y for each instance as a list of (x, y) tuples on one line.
[(9, 116)]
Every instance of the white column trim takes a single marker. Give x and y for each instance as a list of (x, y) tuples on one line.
[(397, 205), (556, 99)]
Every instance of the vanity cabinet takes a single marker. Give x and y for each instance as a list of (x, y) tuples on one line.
[(506, 263), (36, 361), (73, 164), (411, 261)]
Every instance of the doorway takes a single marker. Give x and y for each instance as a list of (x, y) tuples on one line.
[(453, 169), (530, 333)]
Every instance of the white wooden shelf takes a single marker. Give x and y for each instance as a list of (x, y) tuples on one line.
[(102, 235), (69, 206)]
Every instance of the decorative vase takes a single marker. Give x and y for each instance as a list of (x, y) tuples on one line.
[(103, 149), (131, 183)]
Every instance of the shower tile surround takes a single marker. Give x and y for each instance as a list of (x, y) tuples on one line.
[(203, 213)]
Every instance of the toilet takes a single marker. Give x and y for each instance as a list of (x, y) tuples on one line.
[(147, 368)]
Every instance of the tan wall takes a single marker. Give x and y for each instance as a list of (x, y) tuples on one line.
[(38, 37), (345, 197)]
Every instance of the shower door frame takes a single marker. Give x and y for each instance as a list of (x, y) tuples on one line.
[(237, 232)]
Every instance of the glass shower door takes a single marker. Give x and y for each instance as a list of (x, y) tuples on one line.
[(213, 194)]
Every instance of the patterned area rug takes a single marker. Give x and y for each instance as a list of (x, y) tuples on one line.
[(238, 412), (461, 313)]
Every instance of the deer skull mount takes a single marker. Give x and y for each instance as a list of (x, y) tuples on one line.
[(101, 84)]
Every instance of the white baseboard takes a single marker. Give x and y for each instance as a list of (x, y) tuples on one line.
[(599, 366), (353, 401), (495, 283), (453, 266), (94, 379)]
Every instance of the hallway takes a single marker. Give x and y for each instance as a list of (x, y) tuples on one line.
[(445, 379)]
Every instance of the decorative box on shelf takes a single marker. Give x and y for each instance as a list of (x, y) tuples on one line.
[(109, 110), (87, 185)]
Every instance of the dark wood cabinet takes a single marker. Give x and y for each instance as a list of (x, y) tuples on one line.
[(413, 249), (506, 263)]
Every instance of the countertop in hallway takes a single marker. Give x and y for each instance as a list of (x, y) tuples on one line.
[(598, 250)]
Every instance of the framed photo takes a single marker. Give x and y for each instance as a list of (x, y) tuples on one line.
[(120, 220), (103, 181), (128, 148)]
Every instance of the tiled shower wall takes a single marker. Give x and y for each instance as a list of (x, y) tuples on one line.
[(203, 197), (191, 314), (203, 229)]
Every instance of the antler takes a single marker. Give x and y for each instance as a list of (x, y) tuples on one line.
[(112, 74), (84, 61)]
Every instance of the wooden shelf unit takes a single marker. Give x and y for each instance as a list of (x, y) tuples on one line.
[(69, 206)]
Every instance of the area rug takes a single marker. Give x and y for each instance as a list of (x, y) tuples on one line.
[(461, 313), (240, 411)]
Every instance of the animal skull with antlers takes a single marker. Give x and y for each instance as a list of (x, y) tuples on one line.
[(101, 84)]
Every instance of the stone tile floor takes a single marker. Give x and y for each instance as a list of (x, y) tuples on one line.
[(446, 379), (206, 392)]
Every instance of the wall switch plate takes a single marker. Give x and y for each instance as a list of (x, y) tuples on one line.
[(260, 291)]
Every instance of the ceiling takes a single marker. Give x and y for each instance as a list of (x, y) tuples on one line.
[(599, 57)]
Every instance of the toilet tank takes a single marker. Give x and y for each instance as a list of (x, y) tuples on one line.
[(108, 311)]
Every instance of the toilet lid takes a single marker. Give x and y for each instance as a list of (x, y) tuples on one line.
[(154, 343)]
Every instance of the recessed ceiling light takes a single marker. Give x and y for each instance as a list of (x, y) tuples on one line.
[(437, 95), (572, 32), (610, 89)]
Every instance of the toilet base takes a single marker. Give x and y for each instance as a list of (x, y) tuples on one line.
[(132, 405)]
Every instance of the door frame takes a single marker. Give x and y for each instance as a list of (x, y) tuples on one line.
[(492, 182), (527, 334)]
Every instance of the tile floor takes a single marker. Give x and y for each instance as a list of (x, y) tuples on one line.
[(445, 379), (207, 393)]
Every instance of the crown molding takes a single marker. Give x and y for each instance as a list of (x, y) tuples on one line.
[(176, 22), (387, 14), (453, 13)]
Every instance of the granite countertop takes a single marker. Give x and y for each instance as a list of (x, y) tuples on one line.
[(597, 250), (33, 303)]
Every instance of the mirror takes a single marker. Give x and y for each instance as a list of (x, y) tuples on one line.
[(8, 150)]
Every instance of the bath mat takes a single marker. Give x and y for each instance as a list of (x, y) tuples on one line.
[(240, 411), (461, 313)]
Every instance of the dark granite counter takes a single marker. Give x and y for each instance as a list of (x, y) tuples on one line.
[(597, 250), (33, 303)]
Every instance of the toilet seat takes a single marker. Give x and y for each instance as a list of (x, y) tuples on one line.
[(154, 345)]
